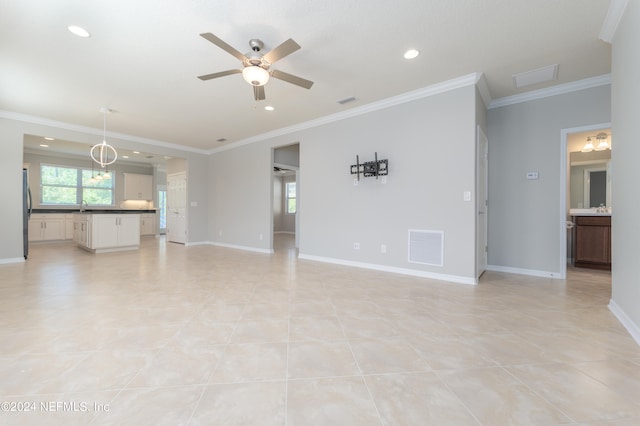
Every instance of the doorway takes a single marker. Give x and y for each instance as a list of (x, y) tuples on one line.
[(285, 195), (575, 190)]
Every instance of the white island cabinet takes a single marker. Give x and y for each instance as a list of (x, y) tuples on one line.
[(103, 232)]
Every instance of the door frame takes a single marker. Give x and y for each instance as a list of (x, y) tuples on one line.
[(482, 206), (564, 189)]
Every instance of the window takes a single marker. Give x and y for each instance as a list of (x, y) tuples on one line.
[(291, 197), (70, 185), (162, 205)]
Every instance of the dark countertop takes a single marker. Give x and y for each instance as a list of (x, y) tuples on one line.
[(93, 211)]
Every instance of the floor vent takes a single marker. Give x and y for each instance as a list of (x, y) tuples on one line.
[(426, 247)]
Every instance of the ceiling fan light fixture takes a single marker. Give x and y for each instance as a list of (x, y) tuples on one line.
[(255, 75)]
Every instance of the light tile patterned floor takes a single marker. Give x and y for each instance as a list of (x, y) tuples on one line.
[(214, 336)]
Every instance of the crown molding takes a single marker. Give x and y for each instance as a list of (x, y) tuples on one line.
[(483, 88), (560, 89), (612, 20), (445, 86), (92, 131)]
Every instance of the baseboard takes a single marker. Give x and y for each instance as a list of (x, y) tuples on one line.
[(12, 260), (404, 271), (245, 248), (521, 271), (624, 319)]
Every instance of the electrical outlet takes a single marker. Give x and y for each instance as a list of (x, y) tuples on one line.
[(356, 246), (383, 248), (220, 233), (261, 237), (355, 182)]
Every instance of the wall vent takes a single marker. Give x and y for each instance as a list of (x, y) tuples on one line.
[(426, 247)]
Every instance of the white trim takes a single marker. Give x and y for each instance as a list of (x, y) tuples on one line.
[(12, 260), (521, 271), (612, 20), (435, 89), (237, 247), (403, 271), (195, 243), (99, 132), (560, 89), (285, 232), (624, 319), (483, 88)]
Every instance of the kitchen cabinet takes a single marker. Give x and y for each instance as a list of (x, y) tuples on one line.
[(68, 225), (107, 232), (148, 224), (592, 242), (80, 230), (138, 187), (47, 227)]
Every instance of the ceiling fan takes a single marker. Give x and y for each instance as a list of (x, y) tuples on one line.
[(256, 64)]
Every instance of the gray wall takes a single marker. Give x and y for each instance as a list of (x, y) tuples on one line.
[(624, 157), (430, 145), (11, 191), (524, 214)]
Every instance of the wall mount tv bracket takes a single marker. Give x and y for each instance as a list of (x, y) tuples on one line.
[(370, 168)]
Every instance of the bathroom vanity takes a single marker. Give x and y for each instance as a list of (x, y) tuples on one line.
[(592, 240)]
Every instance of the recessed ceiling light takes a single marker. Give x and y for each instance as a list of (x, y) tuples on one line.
[(411, 53), (136, 152), (44, 145), (125, 156), (49, 138), (269, 108), (79, 31)]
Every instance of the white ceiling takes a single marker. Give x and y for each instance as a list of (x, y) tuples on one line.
[(143, 57)]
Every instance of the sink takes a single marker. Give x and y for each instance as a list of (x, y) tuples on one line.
[(589, 212)]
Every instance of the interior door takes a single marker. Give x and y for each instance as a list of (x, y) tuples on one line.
[(481, 201), (177, 208)]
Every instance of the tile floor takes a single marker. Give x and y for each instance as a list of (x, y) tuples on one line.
[(206, 335)]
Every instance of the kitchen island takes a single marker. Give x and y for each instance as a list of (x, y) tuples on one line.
[(106, 231)]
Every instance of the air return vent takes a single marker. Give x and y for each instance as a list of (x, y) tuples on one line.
[(426, 247)]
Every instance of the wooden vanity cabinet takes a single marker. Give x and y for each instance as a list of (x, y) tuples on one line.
[(592, 242)]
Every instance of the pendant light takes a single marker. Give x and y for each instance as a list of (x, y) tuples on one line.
[(100, 152)]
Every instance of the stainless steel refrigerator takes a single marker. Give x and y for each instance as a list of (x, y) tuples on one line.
[(26, 210)]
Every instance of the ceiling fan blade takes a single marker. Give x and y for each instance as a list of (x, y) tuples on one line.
[(258, 93), (224, 45), (293, 79), (284, 49), (218, 74)]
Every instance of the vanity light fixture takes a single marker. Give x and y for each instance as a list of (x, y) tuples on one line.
[(602, 144), (588, 147)]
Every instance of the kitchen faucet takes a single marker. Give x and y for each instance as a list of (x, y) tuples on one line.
[(83, 206)]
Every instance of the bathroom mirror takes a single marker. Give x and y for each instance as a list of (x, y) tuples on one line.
[(590, 179)]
